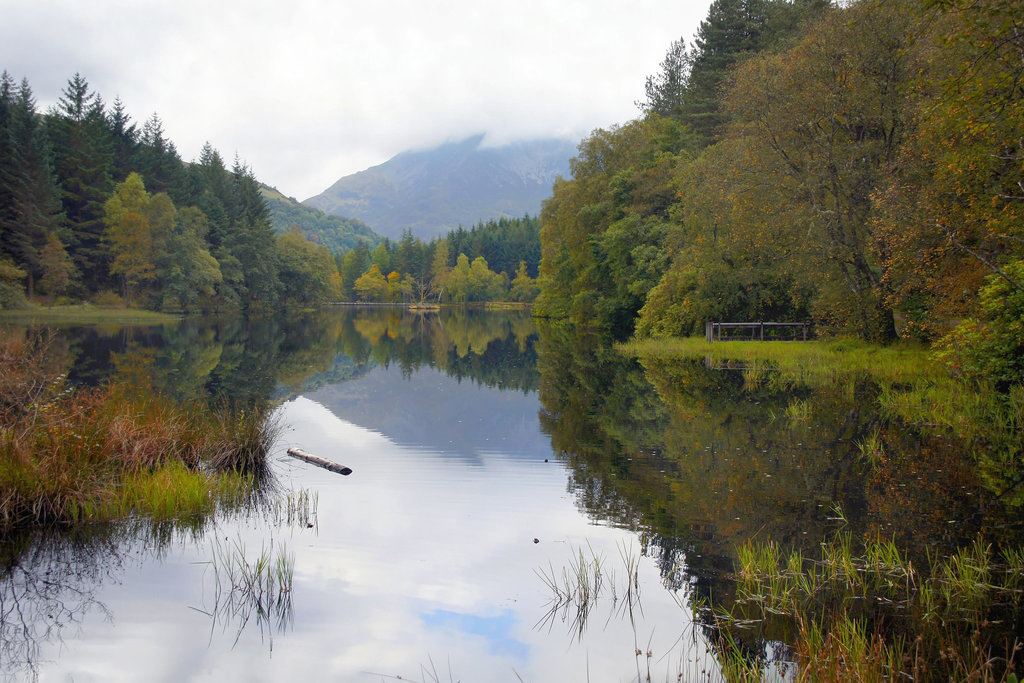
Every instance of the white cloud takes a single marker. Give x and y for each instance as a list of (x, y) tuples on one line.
[(309, 91)]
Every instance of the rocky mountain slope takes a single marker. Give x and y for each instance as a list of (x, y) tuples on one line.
[(461, 183)]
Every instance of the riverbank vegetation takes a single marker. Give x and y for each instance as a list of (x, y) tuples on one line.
[(856, 165), (853, 164), (73, 455), (873, 614)]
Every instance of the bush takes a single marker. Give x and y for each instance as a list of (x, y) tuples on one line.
[(991, 347), (108, 299)]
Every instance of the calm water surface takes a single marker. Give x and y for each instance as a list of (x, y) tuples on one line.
[(486, 456)]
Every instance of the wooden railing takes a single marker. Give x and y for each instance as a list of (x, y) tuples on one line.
[(759, 331)]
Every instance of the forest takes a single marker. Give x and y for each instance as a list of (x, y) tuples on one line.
[(858, 165), (93, 208)]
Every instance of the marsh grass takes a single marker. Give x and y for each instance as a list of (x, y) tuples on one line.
[(70, 455), (799, 411), (251, 589), (872, 447), (296, 508), (872, 615), (576, 589)]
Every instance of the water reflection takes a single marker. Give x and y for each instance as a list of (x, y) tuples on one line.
[(247, 361), (448, 420), (50, 582), (702, 459)]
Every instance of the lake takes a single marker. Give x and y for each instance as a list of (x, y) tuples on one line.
[(494, 461)]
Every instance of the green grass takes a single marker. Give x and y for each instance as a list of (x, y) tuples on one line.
[(170, 492), (813, 362), (85, 314)]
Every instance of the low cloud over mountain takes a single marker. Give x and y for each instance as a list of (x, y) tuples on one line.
[(459, 183)]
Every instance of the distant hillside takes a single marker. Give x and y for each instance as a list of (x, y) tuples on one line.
[(336, 233), (434, 191)]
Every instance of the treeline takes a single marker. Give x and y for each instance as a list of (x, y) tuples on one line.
[(337, 233), (495, 260), (93, 208), (858, 165)]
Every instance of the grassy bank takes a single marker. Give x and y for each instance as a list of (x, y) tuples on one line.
[(69, 455), (914, 388), (810, 362), (84, 314)]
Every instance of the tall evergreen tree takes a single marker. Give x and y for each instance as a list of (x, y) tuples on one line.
[(83, 160), (251, 240), (690, 85), (30, 210), (124, 140), (159, 163)]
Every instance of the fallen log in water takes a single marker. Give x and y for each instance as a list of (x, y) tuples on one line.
[(320, 462)]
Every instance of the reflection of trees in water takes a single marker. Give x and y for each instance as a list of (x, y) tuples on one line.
[(49, 581), (243, 362), (494, 349), (699, 460)]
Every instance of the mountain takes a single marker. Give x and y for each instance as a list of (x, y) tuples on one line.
[(336, 233), (460, 183)]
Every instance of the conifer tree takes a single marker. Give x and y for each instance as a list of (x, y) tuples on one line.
[(30, 208), (82, 160), (124, 140)]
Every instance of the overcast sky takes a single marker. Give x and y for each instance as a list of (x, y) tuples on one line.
[(307, 91)]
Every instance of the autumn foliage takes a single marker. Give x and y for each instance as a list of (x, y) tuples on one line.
[(866, 171)]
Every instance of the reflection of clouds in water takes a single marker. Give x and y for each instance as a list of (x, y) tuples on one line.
[(440, 413), (496, 630), (416, 558)]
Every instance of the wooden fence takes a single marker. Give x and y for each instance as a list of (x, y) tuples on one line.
[(756, 331)]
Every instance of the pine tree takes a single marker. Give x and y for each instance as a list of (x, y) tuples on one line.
[(158, 161), (31, 209), (83, 160), (251, 240), (125, 141)]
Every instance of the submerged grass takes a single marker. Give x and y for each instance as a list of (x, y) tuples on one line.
[(873, 616), (70, 455), (576, 589), (251, 588)]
